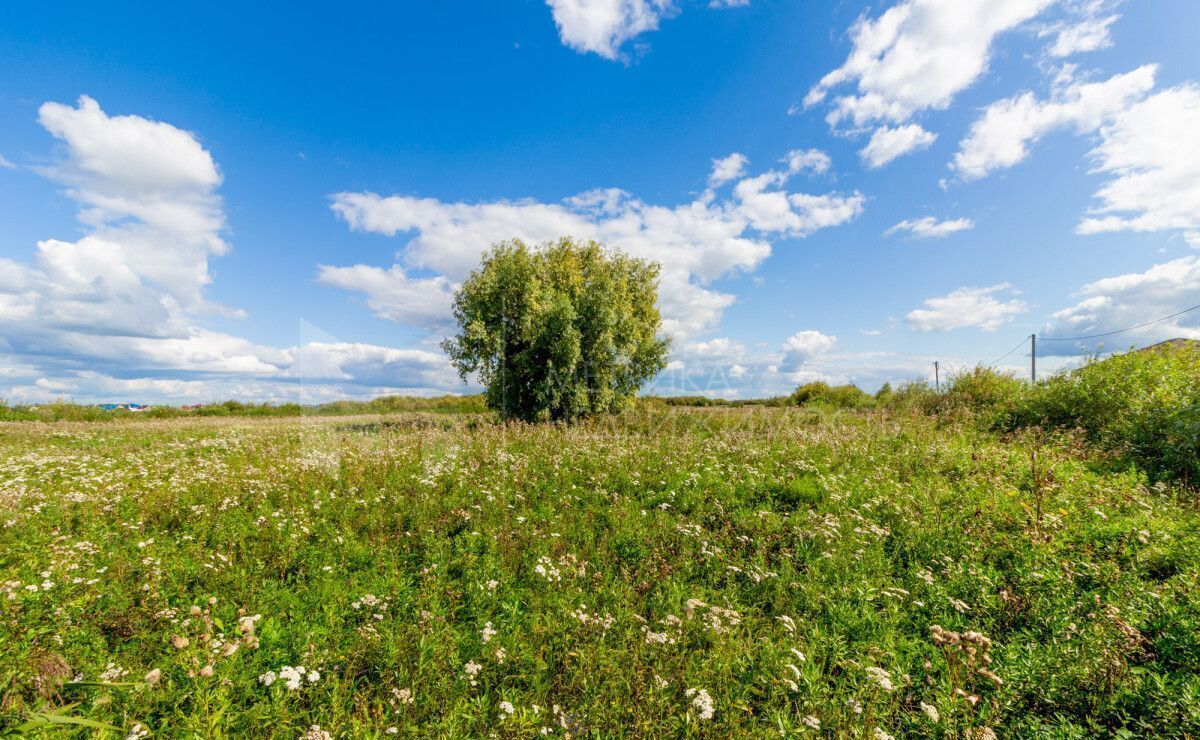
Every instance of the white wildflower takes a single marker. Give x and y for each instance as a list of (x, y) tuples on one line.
[(471, 670), (702, 703), (292, 677), (881, 677)]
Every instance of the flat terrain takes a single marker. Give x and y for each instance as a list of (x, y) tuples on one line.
[(702, 572)]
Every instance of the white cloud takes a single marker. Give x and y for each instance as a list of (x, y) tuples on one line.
[(392, 295), (604, 26), (889, 143), (147, 197), (5, 164), (1002, 135), (769, 209), (918, 55), (1149, 152), (695, 242), (1119, 302), (147, 191), (727, 168), (721, 350), (1089, 29), (967, 307), (802, 348), (799, 160), (929, 227)]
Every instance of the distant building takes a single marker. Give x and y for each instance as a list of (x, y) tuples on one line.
[(135, 407)]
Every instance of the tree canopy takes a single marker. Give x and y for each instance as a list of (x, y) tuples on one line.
[(559, 331)]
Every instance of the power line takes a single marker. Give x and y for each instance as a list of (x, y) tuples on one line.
[(1119, 331), (1006, 354)]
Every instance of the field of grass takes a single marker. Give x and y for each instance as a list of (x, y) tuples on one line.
[(706, 572)]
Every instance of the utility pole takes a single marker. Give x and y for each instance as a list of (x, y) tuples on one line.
[(937, 378), (1033, 358)]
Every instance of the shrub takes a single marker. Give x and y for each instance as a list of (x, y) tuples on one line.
[(1143, 407), (916, 395), (991, 394), (823, 394)]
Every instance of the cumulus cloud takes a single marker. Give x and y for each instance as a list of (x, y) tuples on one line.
[(804, 347), (727, 168), (919, 54), (391, 294), (1122, 301), (1087, 29), (696, 242), (604, 26), (967, 307), (916, 56), (889, 143), (813, 160), (1148, 152), (1001, 136), (718, 350), (147, 193), (118, 309), (929, 227)]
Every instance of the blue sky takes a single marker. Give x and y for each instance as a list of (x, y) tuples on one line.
[(211, 202)]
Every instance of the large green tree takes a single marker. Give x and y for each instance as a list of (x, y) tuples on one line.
[(559, 331)]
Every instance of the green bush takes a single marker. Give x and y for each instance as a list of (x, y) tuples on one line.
[(991, 395), (1142, 407), (916, 395), (823, 394)]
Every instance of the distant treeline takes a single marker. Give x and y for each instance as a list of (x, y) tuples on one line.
[(382, 405)]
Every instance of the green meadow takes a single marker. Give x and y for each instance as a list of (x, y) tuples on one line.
[(673, 571)]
